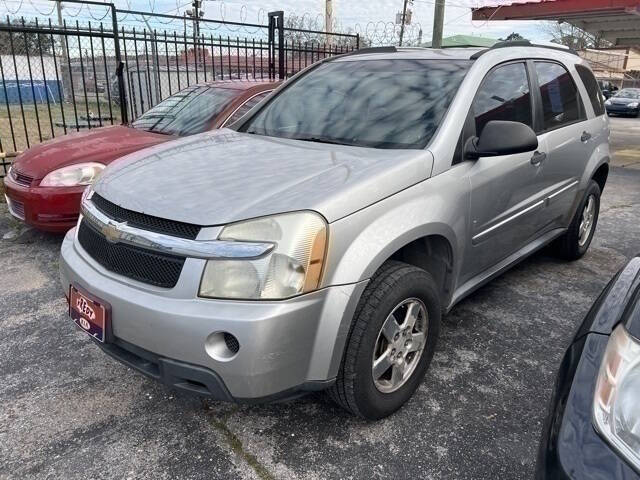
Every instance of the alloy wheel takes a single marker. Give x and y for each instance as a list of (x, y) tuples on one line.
[(587, 221), (399, 345)]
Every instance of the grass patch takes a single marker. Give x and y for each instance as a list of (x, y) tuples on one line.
[(26, 127)]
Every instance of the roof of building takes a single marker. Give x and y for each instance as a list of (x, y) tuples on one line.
[(617, 21)]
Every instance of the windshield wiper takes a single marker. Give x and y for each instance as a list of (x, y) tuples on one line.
[(328, 140), (331, 141)]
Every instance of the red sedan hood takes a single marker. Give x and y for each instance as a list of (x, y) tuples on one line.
[(102, 145)]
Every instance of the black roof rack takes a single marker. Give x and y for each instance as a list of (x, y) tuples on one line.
[(521, 43), (362, 51)]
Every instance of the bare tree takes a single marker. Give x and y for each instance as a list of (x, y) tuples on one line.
[(294, 23), (24, 42), (573, 37)]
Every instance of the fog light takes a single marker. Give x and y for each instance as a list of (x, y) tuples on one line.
[(222, 346)]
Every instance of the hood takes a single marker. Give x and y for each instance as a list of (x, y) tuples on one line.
[(102, 145), (624, 100), (223, 176)]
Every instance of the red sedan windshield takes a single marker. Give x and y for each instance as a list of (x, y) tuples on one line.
[(188, 112)]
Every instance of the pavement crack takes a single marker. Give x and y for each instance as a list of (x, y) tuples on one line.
[(235, 444), (617, 207)]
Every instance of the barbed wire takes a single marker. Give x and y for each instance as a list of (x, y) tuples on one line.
[(9, 10), (46, 14), (372, 33)]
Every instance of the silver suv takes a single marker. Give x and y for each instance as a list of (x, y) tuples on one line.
[(317, 243)]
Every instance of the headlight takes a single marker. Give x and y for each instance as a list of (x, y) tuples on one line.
[(80, 174), (616, 408), (608, 102), (294, 266), (633, 105)]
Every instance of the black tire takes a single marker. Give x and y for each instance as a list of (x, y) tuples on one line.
[(355, 389), (568, 245)]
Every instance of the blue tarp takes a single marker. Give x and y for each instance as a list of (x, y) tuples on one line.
[(41, 89)]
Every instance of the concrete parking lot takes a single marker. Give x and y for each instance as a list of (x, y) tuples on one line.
[(68, 411)]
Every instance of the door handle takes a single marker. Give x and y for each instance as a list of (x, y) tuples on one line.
[(538, 158), (585, 136)]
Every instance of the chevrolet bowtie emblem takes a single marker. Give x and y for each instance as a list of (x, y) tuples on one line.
[(111, 231)]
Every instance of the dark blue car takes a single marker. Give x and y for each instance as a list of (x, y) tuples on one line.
[(625, 102), (593, 426)]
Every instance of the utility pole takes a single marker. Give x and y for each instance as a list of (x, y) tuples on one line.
[(403, 20), (328, 20), (196, 13), (66, 74), (156, 63), (438, 22)]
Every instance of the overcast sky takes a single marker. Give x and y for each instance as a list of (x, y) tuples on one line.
[(362, 14)]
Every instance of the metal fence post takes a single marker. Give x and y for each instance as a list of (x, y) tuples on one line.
[(281, 53), (276, 20), (271, 46), (120, 66)]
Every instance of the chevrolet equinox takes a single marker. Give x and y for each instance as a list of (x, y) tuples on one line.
[(317, 242)]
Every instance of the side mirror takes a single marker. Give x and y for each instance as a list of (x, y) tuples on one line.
[(499, 137)]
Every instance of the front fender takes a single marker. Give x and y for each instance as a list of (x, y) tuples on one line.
[(362, 242)]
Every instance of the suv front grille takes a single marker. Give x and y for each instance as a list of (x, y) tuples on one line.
[(137, 263), (144, 221)]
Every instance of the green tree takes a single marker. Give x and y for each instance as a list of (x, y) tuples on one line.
[(513, 37)]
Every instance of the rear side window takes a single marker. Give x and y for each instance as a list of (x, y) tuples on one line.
[(590, 83), (560, 101), (504, 95), (246, 106)]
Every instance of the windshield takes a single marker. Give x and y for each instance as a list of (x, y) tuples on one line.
[(372, 103), (188, 112), (628, 93)]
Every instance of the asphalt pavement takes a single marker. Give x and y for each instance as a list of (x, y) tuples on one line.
[(68, 411)]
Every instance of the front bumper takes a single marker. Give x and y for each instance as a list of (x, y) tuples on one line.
[(285, 346), (570, 446), (622, 110), (53, 209)]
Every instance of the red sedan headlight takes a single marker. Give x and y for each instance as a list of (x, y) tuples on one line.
[(72, 175)]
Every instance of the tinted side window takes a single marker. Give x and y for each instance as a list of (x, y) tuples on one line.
[(246, 106), (560, 101), (504, 95), (590, 83)]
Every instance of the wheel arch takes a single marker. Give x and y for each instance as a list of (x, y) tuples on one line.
[(600, 175), (433, 253), (430, 246)]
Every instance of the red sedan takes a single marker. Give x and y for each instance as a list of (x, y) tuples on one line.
[(45, 183)]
